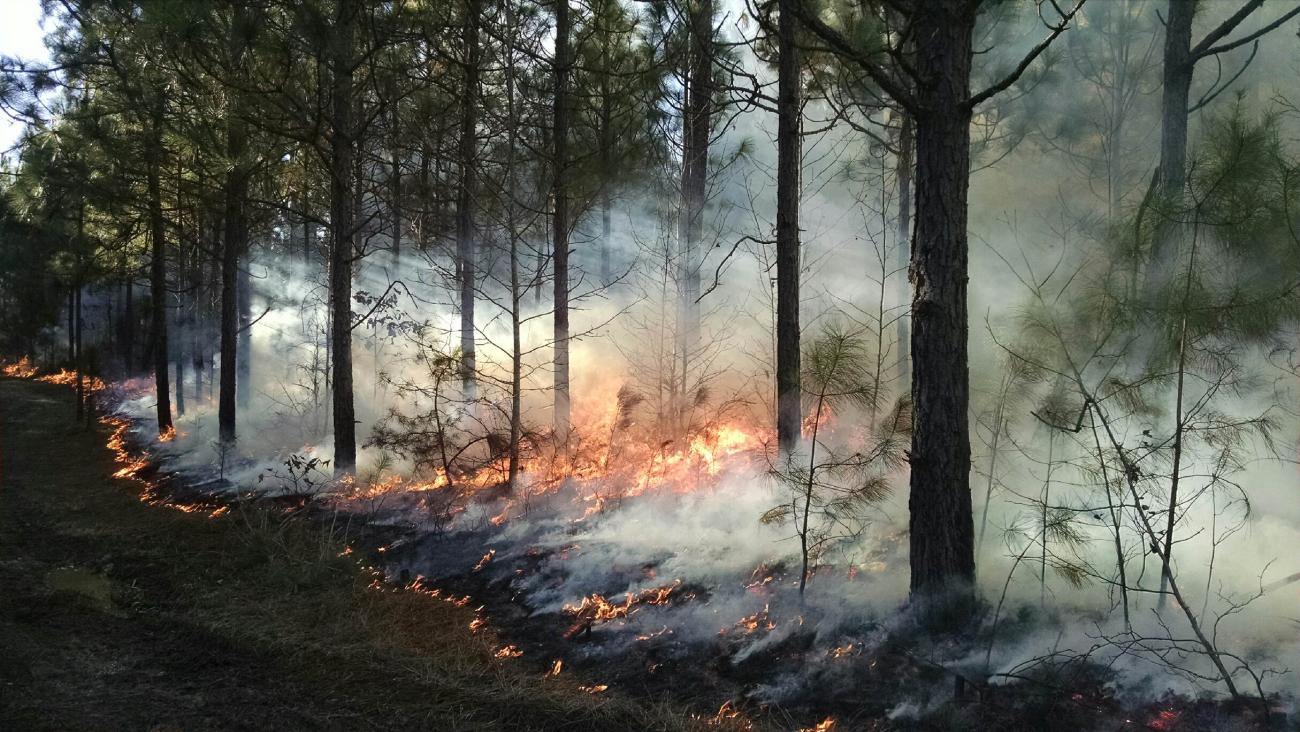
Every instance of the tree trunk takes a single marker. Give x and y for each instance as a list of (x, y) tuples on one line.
[(233, 245), (606, 134), (396, 204), (128, 315), (560, 222), (789, 410), (342, 150), (942, 528), (465, 249), (230, 248), (1172, 170), (695, 164), (244, 352), (516, 293), (158, 274), (76, 351), (906, 141)]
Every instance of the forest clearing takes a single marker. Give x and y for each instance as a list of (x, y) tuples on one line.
[(680, 364)]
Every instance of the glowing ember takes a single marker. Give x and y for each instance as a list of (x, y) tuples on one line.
[(508, 652), (1167, 719), (477, 624), (648, 636), (840, 651), (598, 688)]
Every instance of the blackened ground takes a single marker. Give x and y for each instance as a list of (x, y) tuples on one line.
[(118, 615)]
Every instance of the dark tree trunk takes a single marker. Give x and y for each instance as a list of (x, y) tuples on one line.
[(308, 234), (465, 248), (560, 222), (158, 274), (244, 352), (342, 150), (606, 134), (72, 324), (77, 324), (512, 231), (231, 246), (128, 315), (904, 176), (179, 360), (942, 528), (695, 164), (789, 409), (235, 242), (1172, 170), (395, 184)]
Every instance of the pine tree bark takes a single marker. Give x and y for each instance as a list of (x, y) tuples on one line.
[(941, 526), (158, 272), (128, 331), (904, 177), (695, 167), (1172, 170), (342, 151), (234, 243), (465, 248), (516, 292), (560, 222), (789, 409), (606, 155), (244, 293)]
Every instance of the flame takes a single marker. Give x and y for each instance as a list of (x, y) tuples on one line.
[(760, 620), (840, 651), (596, 689), (601, 467), (20, 369), (508, 652), (486, 558), (826, 725), (555, 668), (66, 377), (730, 717)]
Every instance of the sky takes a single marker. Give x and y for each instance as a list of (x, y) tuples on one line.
[(20, 35)]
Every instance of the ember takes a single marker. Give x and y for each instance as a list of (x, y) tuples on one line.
[(508, 652), (1166, 720)]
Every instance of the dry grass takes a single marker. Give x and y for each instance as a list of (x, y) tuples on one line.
[(247, 621)]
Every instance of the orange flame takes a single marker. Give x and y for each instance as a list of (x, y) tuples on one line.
[(20, 369)]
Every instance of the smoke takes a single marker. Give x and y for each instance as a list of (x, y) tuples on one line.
[(708, 539)]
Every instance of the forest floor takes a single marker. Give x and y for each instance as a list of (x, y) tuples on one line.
[(120, 615)]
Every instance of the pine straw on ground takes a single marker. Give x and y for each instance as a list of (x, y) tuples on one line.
[(118, 615)]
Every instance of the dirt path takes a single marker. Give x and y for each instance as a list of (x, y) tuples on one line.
[(117, 615)]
